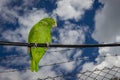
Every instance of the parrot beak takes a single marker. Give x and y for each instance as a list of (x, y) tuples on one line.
[(55, 25)]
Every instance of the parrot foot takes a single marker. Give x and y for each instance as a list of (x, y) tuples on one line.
[(48, 45), (36, 45)]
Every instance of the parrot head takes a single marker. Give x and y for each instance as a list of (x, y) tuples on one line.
[(50, 21)]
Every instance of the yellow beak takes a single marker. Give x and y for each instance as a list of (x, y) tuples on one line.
[(55, 25)]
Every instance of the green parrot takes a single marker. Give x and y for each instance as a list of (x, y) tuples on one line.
[(40, 33)]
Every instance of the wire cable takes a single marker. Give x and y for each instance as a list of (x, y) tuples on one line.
[(58, 45), (58, 63)]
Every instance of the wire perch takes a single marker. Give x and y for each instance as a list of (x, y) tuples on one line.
[(58, 45)]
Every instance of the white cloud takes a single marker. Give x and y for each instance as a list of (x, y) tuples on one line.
[(31, 17), (11, 14), (7, 14), (68, 66), (107, 22), (88, 66), (72, 34), (6, 76), (109, 62), (72, 9)]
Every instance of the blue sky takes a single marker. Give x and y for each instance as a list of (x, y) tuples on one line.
[(79, 22)]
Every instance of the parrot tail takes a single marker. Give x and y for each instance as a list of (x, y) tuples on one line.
[(34, 66)]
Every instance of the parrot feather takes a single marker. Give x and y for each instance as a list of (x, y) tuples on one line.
[(39, 33)]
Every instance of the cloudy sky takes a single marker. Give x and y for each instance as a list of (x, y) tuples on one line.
[(78, 22)]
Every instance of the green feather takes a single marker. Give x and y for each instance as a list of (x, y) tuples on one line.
[(40, 33)]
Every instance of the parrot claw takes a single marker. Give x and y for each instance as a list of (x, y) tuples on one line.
[(35, 45), (48, 45)]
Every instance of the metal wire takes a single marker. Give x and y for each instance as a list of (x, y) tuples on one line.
[(57, 45), (97, 74), (58, 63)]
